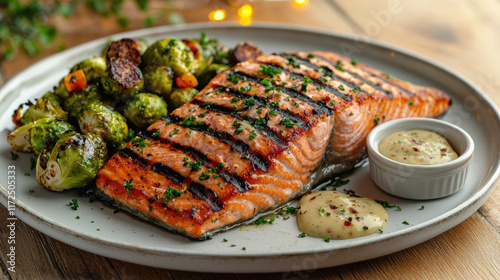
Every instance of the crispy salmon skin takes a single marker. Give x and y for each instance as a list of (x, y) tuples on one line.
[(256, 137)]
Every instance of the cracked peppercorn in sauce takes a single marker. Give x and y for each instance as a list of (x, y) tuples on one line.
[(417, 147), (334, 215)]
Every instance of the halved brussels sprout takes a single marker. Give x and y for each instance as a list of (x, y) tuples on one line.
[(172, 53), (72, 162), (93, 68), (179, 96), (41, 109), (143, 109), (35, 135), (125, 48), (75, 102), (158, 80), (122, 79), (96, 118)]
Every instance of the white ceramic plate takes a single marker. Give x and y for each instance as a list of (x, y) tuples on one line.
[(263, 248)]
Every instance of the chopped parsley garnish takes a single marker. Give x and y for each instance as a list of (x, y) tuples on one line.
[(265, 82), (204, 176), (386, 204), (272, 113), (33, 163), (190, 121), (307, 81), (332, 102), (231, 77), (302, 235), (291, 210), (339, 65), (287, 98), (238, 130), (260, 123), (141, 142), (206, 104), (14, 156), (248, 88), (174, 132), (405, 223), (341, 87), (171, 193), (156, 134), (380, 230), (274, 103), (287, 122), (327, 240), (422, 207), (128, 185), (195, 166), (235, 100), (74, 204), (252, 135), (385, 75), (248, 102), (410, 102), (262, 220), (202, 115), (353, 61), (264, 69), (377, 120), (356, 89), (259, 111)]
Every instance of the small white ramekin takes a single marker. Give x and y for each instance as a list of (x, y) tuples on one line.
[(420, 181)]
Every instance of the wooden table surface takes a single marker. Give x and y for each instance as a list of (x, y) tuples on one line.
[(463, 35)]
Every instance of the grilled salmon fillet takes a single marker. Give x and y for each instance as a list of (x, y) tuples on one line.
[(256, 137)]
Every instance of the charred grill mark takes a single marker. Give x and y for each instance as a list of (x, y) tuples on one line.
[(319, 107), (257, 160), (158, 167), (209, 196), (234, 179), (315, 82), (376, 86), (168, 172), (263, 128), (128, 153), (327, 71), (261, 102)]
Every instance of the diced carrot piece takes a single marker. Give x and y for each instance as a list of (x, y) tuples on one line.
[(75, 81), (187, 80)]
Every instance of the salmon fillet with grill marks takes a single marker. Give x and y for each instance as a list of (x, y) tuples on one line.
[(256, 137)]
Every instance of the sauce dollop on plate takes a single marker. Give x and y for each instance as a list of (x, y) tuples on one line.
[(334, 215)]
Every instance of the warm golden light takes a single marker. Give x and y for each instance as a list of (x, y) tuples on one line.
[(300, 3), (245, 21), (217, 15), (245, 11)]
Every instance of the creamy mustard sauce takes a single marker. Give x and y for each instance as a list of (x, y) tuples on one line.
[(334, 215), (417, 147)]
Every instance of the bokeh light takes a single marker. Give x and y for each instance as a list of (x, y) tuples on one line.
[(217, 15)]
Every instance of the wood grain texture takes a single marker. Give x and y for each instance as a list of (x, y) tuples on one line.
[(462, 35)]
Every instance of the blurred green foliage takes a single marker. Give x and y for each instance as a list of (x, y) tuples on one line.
[(24, 24)]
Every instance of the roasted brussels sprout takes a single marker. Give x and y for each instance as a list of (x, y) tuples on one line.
[(93, 68), (61, 91), (41, 109), (125, 48), (211, 71), (244, 51), (95, 118), (212, 50), (170, 52), (179, 96), (74, 103), (158, 80), (72, 162), (122, 79), (143, 109), (32, 137), (53, 98)]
